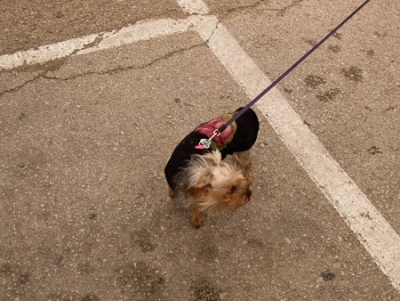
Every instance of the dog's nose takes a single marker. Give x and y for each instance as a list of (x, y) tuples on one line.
[(249, 193)]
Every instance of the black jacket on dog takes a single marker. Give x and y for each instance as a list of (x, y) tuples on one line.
[(239, 136)]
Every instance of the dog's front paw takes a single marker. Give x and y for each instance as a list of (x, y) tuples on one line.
[(197, 218)]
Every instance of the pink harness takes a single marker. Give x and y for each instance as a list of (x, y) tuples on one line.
[(220, 141)]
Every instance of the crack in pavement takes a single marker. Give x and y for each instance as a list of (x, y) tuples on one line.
[(280, 11), (132, 67), (43, 73), (214, 30), (245, 7), (283, 10), (16, 88), (56, 64)]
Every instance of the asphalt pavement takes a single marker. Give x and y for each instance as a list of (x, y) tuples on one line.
[(85, 135)]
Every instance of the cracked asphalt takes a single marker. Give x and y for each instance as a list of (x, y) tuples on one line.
[(84, 210)]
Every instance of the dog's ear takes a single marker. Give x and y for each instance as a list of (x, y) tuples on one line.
[(202, 184)]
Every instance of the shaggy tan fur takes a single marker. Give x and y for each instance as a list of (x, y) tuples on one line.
[(209, 184)]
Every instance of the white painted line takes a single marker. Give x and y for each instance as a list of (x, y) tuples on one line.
[(46, 53), (127, 35), (373, 231)]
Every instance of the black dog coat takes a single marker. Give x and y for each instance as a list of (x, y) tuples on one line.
[(237, 137)]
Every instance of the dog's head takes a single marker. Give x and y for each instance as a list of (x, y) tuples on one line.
[(217, 184)]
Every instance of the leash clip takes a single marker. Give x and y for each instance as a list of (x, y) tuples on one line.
[(206, 143)]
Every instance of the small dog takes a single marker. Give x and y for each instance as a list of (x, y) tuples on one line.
[(207, 180)]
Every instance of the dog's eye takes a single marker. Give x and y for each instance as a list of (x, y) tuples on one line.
[(232, 190)]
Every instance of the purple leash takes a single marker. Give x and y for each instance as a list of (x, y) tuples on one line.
[(206, 143)]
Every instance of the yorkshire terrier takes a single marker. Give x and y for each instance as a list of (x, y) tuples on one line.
[(207, 180)]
